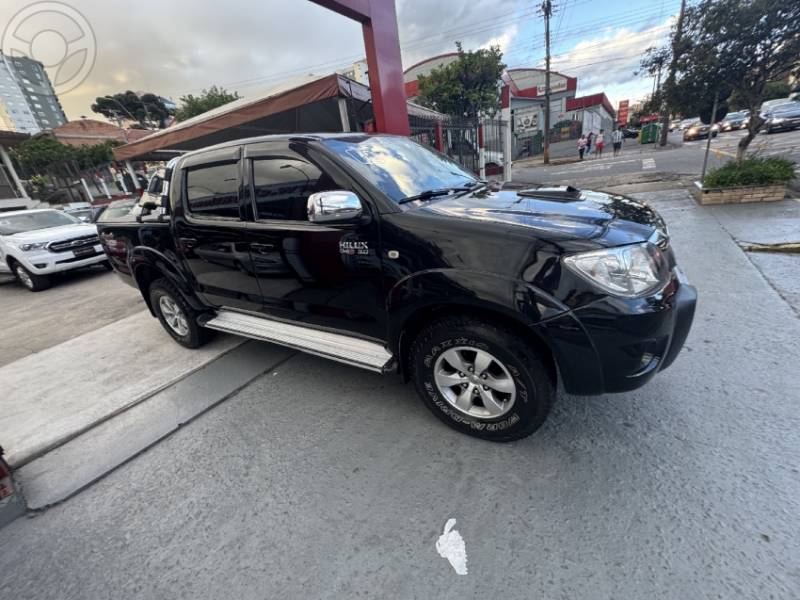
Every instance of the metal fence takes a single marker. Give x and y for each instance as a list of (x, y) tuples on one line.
[(460, 139)]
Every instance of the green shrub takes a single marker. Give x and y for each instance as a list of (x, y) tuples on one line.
[(752, 171)]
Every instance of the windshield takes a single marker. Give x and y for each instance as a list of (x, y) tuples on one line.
[(10, 224), (791, 106), (117, 210), (400, 167)]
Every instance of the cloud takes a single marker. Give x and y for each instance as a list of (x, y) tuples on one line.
[(180, 47), (503, 40), (611, 58)]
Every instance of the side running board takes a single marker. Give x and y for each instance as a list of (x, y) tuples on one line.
[(342, 348)]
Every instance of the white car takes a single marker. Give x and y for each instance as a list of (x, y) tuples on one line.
[(34, 244)]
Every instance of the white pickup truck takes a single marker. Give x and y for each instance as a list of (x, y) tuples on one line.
[(34, 244)]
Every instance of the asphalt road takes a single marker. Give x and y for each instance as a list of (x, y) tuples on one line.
[(681, 158), (79, 301), (320, 481)]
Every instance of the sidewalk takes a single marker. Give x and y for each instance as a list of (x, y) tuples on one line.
[(53, 395)]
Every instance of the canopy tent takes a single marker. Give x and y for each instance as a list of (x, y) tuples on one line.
[(307, 104)]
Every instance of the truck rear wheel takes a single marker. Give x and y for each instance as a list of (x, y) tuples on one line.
[(481, 379), (32, 281), (176, 316)]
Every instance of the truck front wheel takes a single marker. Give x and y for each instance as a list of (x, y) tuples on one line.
[(176, 316), (481, 379), (35, 283)]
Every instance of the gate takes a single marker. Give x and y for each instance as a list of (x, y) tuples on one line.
[(462, 139)]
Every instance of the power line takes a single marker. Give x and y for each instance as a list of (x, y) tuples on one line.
[(629, 18)]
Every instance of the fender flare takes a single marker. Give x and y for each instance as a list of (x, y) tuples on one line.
[(143, 261), (514, 300)]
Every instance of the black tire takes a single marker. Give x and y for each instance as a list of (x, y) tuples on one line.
[(195, 335), (107, 265), (534, 389), (32, 281)]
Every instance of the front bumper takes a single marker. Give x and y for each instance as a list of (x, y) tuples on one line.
[(44, 262), (617, 345), (785, 125)]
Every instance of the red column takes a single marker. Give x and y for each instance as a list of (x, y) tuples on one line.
[(385, 67), (439, 137), (378, 20)]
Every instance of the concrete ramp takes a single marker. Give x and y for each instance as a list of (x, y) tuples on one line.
[(50, 397)]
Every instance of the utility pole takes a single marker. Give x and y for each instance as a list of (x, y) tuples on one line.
[(547, 11), (670, 82)]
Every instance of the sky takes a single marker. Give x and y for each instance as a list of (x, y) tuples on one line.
[(180, 47)]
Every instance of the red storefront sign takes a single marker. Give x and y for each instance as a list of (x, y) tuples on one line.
[(622, 113)]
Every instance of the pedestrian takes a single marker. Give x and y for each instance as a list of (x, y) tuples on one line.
[(599, 142), (589, 143), (616, 140), (581, 146)]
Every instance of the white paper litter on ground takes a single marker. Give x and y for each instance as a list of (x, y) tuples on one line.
[(450, 545)]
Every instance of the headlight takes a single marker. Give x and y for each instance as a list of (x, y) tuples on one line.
[(29, 247), (694, 130), (626, 271)]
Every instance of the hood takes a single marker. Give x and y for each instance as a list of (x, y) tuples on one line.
[(557, 215), (53, 234)]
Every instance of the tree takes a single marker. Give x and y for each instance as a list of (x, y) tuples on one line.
[(737, 47), (90, 157), (148, 110), (653, 63), (466, 86), (773, 91), (38, 153), (191, 106)]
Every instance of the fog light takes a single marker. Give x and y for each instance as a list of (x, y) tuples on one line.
[(40, 265)]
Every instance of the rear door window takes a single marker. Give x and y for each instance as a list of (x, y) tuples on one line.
[(213, 190)]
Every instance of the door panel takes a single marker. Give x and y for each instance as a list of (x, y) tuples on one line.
[(325, 275), (211, 233)]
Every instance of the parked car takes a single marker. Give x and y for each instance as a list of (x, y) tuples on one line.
[(34, 244), (782, 117), (698, 130), (80, 210), (152, 191), (630, 132), (379, 253), (735, 120), (116, 209)]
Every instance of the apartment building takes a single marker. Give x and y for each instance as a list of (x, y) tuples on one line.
[(28, 102)]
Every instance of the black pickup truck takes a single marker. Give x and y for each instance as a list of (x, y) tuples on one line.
[(378, 252)]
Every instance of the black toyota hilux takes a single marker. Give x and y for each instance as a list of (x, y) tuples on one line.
[(378, 252)]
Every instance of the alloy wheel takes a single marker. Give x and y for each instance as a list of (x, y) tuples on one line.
[(173, 315), (475, 382), (24, 277)]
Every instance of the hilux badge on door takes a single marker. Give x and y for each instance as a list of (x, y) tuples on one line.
[(347, 247)]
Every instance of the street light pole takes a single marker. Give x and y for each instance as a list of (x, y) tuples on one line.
[(547, 10)]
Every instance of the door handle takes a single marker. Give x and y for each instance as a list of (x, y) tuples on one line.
[(262, 248), (188, 243)]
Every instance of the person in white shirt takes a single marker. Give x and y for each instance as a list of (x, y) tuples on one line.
[(599, 143), (616, 140)]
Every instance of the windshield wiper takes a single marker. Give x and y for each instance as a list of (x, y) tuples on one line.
[(428, 194)]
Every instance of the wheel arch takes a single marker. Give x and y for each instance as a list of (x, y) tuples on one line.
[(147, 265), (428, 314)]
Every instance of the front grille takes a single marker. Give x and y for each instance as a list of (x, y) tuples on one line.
[(74, 243)]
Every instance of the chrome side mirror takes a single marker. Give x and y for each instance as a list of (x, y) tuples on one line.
[(336, 206)]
